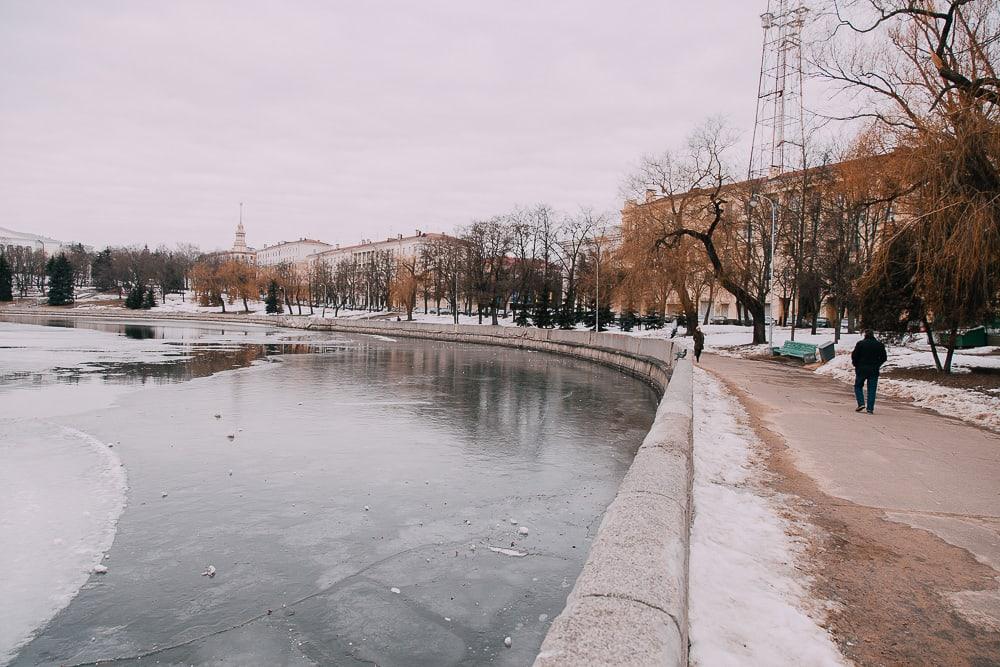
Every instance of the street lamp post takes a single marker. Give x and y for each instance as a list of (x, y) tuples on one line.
[(770, 263), (597, 292)]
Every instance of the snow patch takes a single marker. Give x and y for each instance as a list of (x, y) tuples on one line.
[(749, 605), (65, 491)]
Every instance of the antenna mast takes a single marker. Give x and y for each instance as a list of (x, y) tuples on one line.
[(779, 129)]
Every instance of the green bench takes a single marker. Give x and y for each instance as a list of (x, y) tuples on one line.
[(804, 351)]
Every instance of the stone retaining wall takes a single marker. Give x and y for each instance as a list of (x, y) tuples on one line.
[(629, 604)]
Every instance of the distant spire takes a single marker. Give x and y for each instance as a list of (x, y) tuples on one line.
[(241, 236)]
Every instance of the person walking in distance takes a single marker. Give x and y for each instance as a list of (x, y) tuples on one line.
[(867, 358), (699, 343)]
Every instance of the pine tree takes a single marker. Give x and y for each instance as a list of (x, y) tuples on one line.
[(567, 317), (102, 271), (6, 280), (542, 315), (149, 300), (607, 317), (135, 297), (60, 275), (271, 303), (521, 318), (628, 319), (653, 320)]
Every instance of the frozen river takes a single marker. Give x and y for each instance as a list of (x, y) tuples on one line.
[(356, 496)]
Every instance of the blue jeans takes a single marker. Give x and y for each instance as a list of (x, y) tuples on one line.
[(862, 375)]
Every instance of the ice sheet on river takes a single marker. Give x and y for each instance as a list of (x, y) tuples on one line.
[(64, 492)]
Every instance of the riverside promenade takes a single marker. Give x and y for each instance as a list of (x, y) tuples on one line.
[(906, 506)]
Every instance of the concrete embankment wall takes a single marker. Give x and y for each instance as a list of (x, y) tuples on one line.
[(629, 604)]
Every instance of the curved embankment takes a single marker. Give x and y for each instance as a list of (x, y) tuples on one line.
[(629, 604)]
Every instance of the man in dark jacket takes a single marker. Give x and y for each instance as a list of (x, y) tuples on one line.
[(699, 343), (868, 357)]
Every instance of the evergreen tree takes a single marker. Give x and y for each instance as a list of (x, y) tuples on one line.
[(653, 320), (607, 317), (542, 315), (102, 271), (149, 300), (568, 317), (135, 297), (6, 279), (60, 275), (271, 303), (628, 319), (521, 318)]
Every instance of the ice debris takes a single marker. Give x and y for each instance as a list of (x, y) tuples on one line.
[(394, 590), (508, 552), (209, 572), (507, 642), (523, 530), (100, 569)]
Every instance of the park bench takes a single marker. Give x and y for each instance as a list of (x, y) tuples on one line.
[(804, 351)]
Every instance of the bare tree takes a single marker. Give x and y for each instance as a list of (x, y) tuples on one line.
[(925, 76), (691, 196)]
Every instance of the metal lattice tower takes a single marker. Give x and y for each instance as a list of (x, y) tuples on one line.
[(779, 132)]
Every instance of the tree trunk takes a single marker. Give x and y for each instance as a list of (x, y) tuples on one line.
[(930, 340), (246, 308), (951, 349)]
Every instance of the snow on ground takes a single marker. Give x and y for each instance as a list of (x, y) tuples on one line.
[(733, 340), (63, 494), (189, 304), (977, 407), (749, 605)]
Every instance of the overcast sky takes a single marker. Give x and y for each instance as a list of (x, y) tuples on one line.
[(148, 122)]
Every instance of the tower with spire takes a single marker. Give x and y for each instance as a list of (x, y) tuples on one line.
[(240, 250)]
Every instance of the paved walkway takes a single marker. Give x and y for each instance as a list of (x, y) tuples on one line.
[(917, 467)]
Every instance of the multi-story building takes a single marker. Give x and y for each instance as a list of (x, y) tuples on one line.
[(291, 252), (399, 246), (34, 241)]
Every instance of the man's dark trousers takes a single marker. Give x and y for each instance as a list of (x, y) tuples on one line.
[(861, 376)]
